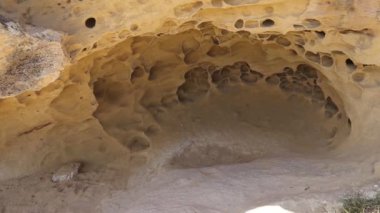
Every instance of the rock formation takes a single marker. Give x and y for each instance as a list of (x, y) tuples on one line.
[(188, 106)]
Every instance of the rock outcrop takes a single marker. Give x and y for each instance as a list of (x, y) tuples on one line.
[(189, 85)]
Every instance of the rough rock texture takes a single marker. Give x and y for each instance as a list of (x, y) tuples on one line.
[(245, 102), (30, 59), (66, 172)]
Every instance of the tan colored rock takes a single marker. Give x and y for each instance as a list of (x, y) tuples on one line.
[(261, 101), (30, 60)]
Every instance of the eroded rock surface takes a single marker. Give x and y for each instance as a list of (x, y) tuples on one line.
[(185, 92), (29, 60)]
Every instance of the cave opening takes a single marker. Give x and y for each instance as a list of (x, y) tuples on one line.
[(209, 96)]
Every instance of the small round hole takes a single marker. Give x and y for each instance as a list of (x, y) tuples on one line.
[(298, 27), (134, 27), (239, 23), (267, 23), (350, 64), (311, 23), (90, 22), (320, 34), (327, 61), (358, 77)]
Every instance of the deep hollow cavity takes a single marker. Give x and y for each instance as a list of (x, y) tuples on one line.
[(215, 103)]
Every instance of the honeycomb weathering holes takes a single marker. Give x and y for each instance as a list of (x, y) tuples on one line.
[(191, 69)]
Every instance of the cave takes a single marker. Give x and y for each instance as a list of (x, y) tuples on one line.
[(221, 94), (203, 106)]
